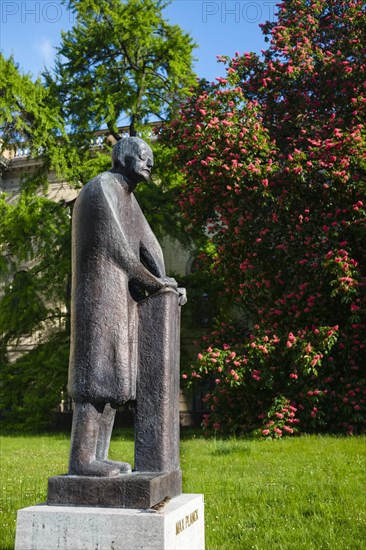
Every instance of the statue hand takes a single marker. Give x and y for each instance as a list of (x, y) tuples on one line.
[(172, 283), (182, 296), (169, 281)]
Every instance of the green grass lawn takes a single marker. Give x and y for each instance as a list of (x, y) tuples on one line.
[(304, 493)]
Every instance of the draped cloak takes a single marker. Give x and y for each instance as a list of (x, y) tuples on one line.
[(113, 251)]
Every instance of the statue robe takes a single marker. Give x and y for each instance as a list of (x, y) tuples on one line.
[(113, 251)]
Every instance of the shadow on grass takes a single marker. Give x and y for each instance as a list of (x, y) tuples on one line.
[(123, 434), (230, 447), (127, 434), (34, 435)]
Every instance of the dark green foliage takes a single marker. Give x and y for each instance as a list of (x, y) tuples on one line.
[(32, 386), (35, 257), (35, 269)]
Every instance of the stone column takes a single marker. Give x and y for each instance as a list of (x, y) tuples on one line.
[(157, 396)]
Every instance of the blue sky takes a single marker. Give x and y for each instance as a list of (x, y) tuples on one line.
[(30, 29)]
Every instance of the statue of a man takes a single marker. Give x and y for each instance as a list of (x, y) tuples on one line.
[(116, 259)]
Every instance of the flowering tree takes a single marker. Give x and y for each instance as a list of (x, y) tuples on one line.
[(275, 157)]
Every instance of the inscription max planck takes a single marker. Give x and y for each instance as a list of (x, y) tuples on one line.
[(186, 522)]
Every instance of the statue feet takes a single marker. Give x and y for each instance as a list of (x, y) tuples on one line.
[(124, 467), (97, 468)]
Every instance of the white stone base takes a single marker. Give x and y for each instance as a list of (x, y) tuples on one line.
[(178, 525)]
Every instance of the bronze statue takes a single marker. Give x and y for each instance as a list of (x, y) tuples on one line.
[(116, 263)]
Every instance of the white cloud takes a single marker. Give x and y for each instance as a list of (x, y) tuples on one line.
[(45, 50)]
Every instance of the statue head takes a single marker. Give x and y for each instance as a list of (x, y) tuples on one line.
[(133, 158)]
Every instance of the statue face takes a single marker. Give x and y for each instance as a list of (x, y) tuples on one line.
[(139, 164)]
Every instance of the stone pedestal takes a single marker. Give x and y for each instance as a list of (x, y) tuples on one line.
[(179, 524), (135, 490)]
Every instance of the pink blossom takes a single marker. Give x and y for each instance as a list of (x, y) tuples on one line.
[(346, 280)]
